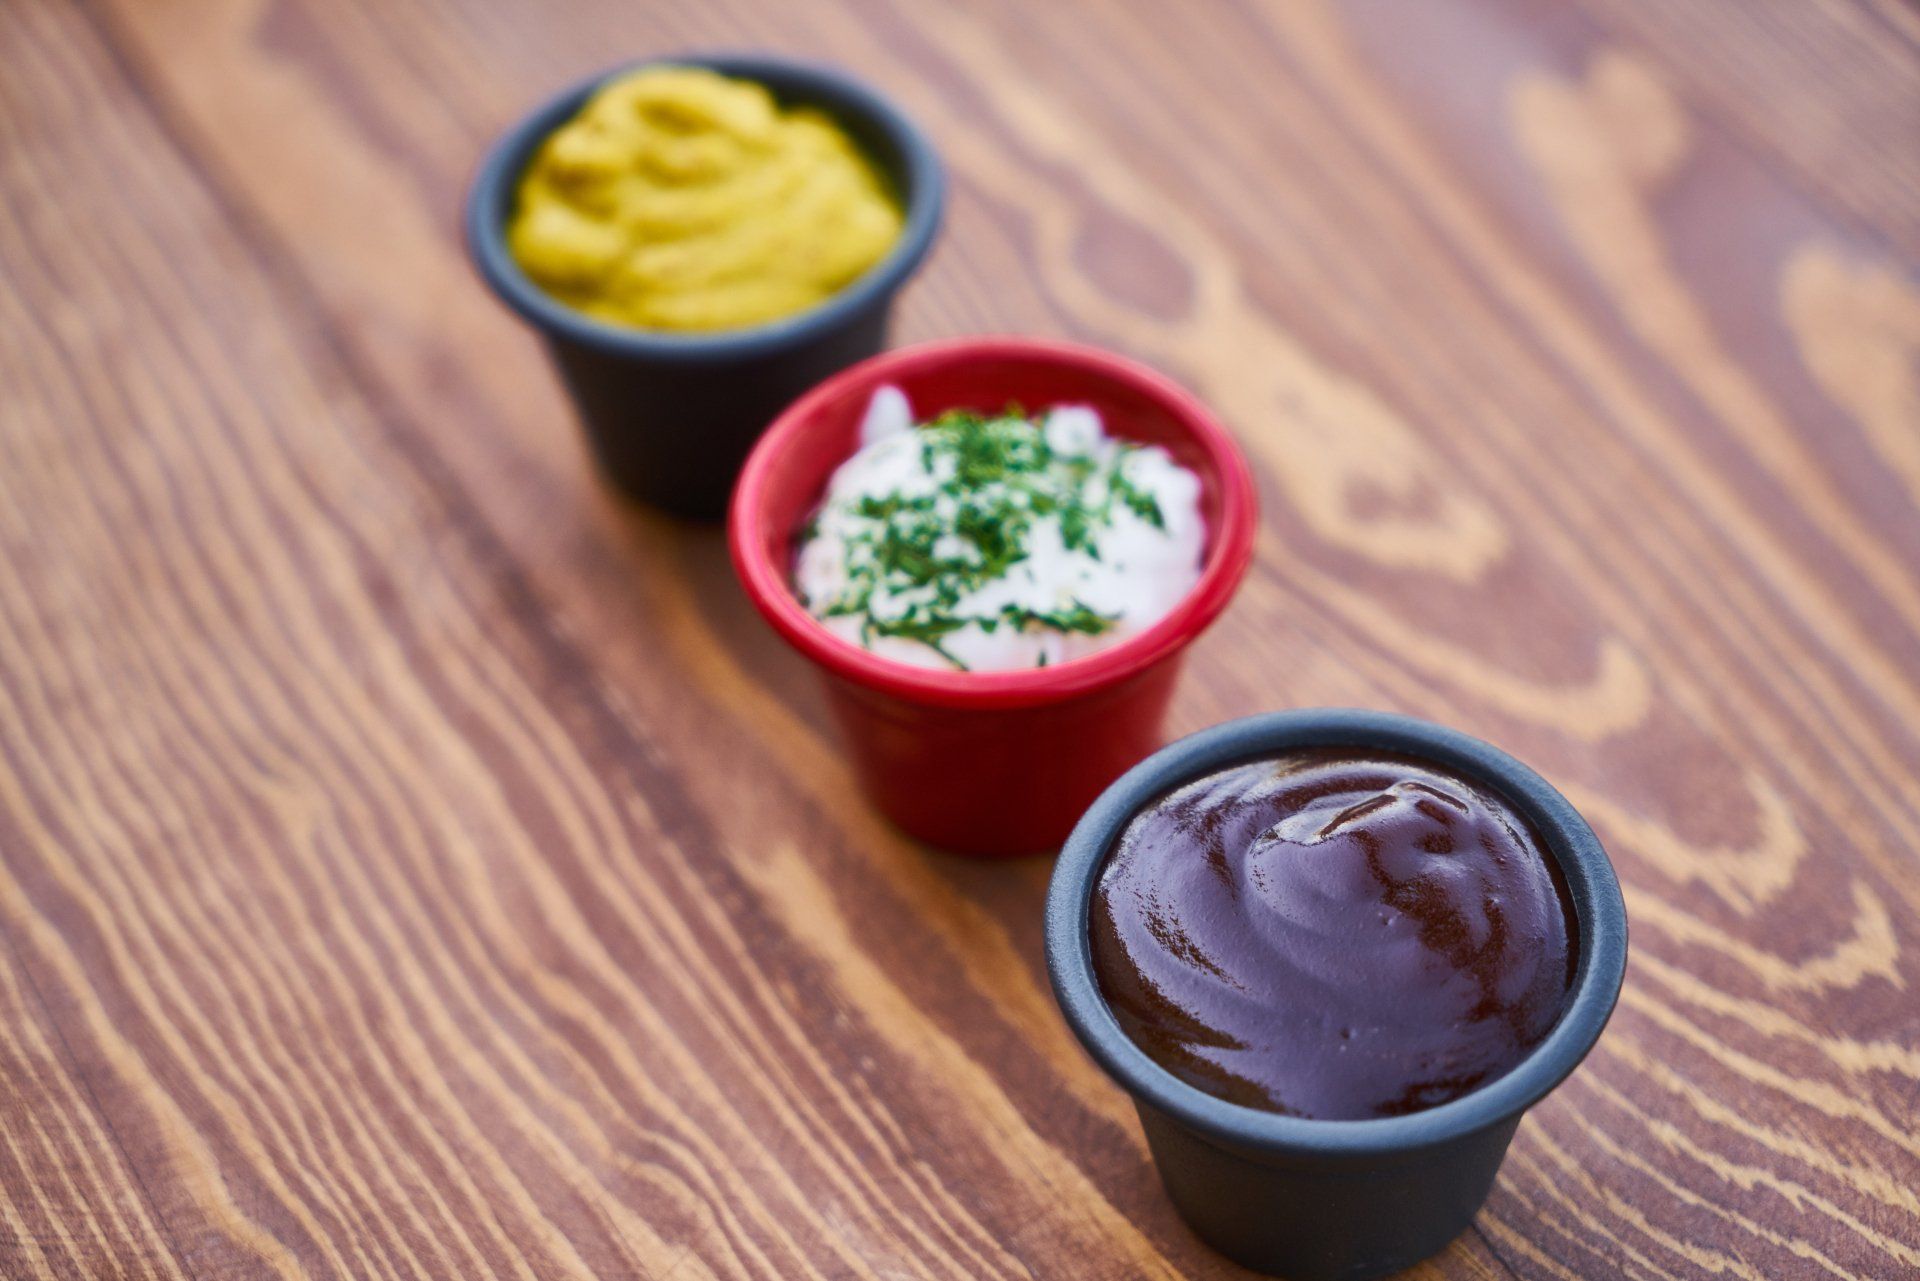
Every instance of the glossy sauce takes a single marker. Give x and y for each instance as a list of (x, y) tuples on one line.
[(1335, 935)]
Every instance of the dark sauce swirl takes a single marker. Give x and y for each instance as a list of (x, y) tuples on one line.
[(1333, 935)]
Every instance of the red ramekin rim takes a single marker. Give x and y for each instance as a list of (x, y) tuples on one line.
[(769, 585)]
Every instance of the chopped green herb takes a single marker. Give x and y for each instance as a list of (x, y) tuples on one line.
[(914, 555), (1144, 505)]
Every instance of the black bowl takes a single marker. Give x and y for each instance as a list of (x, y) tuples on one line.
[(1333, 1200), (671, 416)]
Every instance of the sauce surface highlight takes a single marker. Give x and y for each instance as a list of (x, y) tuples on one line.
[(1333, 933)]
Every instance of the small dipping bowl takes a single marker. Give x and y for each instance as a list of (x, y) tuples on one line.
[(671, 415), (1003, 762), (1326, 1200)]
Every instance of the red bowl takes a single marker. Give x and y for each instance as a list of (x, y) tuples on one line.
[(991, 762)]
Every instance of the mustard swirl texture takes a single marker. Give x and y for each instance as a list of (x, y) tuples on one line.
[(681, 199)]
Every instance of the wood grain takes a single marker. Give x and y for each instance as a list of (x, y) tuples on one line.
[(414, 864)]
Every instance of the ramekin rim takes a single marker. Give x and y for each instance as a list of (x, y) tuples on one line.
[(1228, 558), (484, 221), (1600, 967)]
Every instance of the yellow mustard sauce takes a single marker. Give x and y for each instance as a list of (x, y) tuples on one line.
[(681, 199)]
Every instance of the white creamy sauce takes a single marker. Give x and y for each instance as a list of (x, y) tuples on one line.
[(1122, 573)]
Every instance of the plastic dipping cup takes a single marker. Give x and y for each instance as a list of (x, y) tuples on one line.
[(1321, 1200), (670, 415), (991, 763)]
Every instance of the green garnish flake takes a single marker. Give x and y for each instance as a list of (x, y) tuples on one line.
[(913, 556)]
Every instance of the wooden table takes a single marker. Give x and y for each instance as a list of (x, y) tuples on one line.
[(413, 864)]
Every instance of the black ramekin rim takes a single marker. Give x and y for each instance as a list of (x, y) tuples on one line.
[(1600, 912), (490, 197)]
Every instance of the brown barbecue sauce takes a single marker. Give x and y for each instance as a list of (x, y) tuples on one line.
[(1333, 933)]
